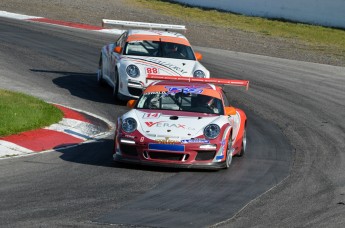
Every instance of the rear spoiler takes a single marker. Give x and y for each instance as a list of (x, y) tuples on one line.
[(220, 81), (143, 25)]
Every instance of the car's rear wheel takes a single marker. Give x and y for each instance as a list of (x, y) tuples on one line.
[(229, 152), (100, 79), (116, 85), (244, 144)]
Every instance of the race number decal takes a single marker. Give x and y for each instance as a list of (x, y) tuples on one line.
[(152, 115), (152, 70)]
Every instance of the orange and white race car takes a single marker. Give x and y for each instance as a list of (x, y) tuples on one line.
[(187, 122), (125, 63)]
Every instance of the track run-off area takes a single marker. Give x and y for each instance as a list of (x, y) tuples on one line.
[(292, 174)]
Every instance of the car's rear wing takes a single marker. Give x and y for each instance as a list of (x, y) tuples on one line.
[(220, 81), (143, 25)]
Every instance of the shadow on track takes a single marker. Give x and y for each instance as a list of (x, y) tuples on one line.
[(83, 85), (99, 153)]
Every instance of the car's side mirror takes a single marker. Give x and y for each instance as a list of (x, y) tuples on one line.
[(198, 56), (131, 103), (118, 49), (230, 111)]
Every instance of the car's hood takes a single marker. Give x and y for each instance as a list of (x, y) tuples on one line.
[(165, 66), (168, 124)]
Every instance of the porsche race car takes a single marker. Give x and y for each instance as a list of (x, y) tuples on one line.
[(125, 63), (187, 122)]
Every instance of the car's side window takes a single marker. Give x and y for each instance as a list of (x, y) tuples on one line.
[(225, 99), (121, 40)]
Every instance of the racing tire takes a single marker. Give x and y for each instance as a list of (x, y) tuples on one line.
[(116, 85), (244, 144), (228, 153), (100, 80)]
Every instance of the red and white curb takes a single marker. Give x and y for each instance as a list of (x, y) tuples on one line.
[(75, 128), (59, 23)]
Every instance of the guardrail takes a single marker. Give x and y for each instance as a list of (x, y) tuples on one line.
[(329, 13)]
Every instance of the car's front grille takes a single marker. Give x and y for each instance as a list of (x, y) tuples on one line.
[(135, 91), (129, 149), (205, 155), (167, 156)]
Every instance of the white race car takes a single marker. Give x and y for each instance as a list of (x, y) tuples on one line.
[(125, 64)]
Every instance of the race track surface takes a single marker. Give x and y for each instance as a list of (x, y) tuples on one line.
[(292, 174)]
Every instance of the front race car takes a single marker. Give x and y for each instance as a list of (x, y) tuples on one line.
[(172, 138)]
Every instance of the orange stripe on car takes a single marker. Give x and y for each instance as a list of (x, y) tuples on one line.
[(176, 40)]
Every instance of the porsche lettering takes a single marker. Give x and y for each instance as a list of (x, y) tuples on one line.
[(166, 141)]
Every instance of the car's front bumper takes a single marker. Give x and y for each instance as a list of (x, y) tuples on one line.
[(195, 165)]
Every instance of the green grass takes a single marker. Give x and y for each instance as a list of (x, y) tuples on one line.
[(317, 36), (20, 112)]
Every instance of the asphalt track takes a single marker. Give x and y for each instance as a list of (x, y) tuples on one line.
[(292, 174)]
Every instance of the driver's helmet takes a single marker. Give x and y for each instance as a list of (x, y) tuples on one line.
[(170, 47)]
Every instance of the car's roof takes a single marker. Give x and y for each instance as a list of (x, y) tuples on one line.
[(174, 86), (156, 35)]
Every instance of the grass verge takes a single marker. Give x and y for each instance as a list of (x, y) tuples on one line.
[(318, 36), (20, 112)]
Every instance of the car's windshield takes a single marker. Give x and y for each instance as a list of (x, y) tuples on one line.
[(159, 49), (182, 101)]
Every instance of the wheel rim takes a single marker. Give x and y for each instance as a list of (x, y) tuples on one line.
[(228, 153), (244, 141), (99, 74), (115, 89)]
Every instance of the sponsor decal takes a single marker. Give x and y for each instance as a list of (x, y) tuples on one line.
[(165, 124), (130, 136), (166, 141), (157, 92), (152, 115), (222, 142), (142, 139), (195, 141), (168, 65), (185, 89), (172, 67), (220, 157), (166, 147), (150, 124)]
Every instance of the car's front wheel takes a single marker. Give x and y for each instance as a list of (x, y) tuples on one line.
[(229, 152), (116, 85), (100, 79), (244, 143)]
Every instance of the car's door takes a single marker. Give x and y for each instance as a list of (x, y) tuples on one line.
[(115, 57), (234, 120)]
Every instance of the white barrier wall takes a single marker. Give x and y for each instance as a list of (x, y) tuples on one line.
[(321, 12)]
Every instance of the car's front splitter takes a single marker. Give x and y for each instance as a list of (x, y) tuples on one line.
[(195, 165)]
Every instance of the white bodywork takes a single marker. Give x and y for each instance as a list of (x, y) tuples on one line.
[(113, 61), (184, 128)]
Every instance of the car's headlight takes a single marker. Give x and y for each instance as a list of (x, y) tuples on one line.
[(211, 131), (129, 125), (199, 74), (132, 71)]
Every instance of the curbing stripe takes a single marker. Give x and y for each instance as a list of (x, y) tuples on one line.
[(9, 149), (74, 127), (59, 23), (68, 132), (82, 130), (16, 16)]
